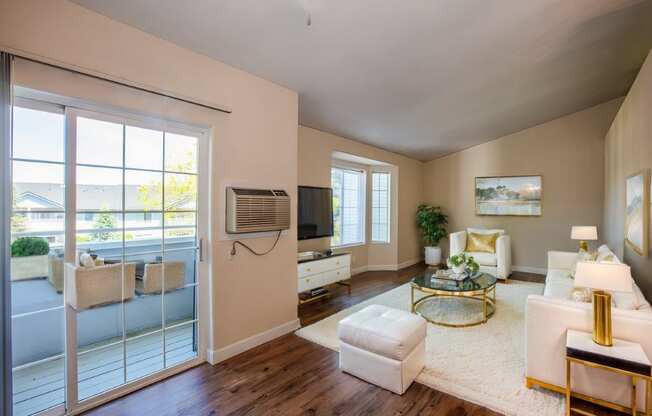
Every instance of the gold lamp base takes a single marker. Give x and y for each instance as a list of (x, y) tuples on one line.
[(584, 246), (602, 318)]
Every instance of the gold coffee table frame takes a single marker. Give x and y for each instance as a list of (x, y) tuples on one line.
[(487, 296)]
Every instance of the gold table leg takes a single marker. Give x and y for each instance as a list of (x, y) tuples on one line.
[(568, 387), (484, 305), (412, 299)]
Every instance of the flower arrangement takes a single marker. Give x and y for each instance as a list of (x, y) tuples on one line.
[(464, 264)]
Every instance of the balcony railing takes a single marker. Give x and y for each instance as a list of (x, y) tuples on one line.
[(38, 329)]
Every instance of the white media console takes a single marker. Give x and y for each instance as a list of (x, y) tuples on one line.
[(316, 270)]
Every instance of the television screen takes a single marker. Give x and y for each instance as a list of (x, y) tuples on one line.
[(315, 212)]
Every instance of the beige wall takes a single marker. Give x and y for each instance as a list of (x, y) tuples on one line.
[(255, 145), (568, 152), (628, 149), (315, 156)]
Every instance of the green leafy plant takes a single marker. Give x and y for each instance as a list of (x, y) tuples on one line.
[(30, 246), (431, 222), (470, 265)]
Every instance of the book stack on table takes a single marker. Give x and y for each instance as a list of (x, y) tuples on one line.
[(450, 275)]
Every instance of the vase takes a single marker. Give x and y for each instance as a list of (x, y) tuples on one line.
[(433, 256), (459, 269)]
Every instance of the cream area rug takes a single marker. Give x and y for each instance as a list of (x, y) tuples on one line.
[(483, 364)]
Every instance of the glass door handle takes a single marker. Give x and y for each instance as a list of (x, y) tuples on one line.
[(201, 249)]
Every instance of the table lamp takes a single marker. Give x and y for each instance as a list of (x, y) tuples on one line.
[(583, 233), (602, 277)]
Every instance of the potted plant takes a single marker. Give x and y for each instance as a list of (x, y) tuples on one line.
[(464, 264), (431, 222), (29, 258)]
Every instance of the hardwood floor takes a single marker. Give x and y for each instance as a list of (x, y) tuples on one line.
[(292, 376)]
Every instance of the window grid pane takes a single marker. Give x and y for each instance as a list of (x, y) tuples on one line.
[(380, 206), (348, 206)]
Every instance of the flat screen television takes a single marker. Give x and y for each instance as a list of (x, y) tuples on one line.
[(315, 212)]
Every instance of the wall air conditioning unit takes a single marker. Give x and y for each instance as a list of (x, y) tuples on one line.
[(256, 210)]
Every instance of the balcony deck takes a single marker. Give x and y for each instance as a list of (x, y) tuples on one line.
[(40, 385)]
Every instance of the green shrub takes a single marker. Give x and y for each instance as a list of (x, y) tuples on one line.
[(30, 246)]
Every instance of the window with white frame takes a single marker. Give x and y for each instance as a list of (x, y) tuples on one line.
[(380, 206), (348, 206)]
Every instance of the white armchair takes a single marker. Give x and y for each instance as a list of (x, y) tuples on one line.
[(498, 263)]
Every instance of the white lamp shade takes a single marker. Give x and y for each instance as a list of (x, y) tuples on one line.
[(584, 232), (613, 277)]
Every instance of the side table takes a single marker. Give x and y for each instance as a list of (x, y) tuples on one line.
[(624, 357)]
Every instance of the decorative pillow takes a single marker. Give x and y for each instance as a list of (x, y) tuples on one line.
[(607, 255), (483, 243), (86, 260), (581, 294), (582, 256)]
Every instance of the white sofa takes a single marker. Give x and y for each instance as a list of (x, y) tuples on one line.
[(499, 263), (550, 315)]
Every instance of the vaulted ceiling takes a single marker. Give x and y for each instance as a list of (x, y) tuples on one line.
[(421, 77)]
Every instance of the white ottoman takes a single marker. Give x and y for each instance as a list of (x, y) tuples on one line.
[(384, 346)]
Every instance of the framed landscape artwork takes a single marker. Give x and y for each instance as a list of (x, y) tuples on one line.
[(637, 194), (509, 195)]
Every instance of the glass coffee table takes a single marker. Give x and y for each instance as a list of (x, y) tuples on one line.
[(452, 303)]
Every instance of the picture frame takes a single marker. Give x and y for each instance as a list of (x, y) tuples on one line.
[(514, 196), (637, 211)]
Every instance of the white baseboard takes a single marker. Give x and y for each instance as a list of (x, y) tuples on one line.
[(528, 269), (216, 356), (409, 263), (381, 267), (359, 270), (384, 267)]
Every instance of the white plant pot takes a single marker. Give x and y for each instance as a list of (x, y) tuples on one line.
[(459, 269), (31, 267), (433, 256)]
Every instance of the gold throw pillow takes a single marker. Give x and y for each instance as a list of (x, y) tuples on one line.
[(485, 243)]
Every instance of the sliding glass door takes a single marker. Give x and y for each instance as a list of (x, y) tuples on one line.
[(37, 249), (114, 206)]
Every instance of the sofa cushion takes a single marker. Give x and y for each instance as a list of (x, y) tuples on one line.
[(389, 332), (631, 301), (484, 259), (558, 284), (582, 256)]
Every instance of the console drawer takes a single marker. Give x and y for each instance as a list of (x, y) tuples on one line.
[(310, 282), (336, 275), (324, 265)]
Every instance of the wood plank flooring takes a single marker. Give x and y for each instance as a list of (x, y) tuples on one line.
[(41, 386), (292, 376)]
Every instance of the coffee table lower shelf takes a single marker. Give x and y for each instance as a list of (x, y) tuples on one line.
[(487, 296)]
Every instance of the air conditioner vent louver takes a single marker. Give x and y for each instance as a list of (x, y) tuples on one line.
[(256, 210), (262, 192)]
